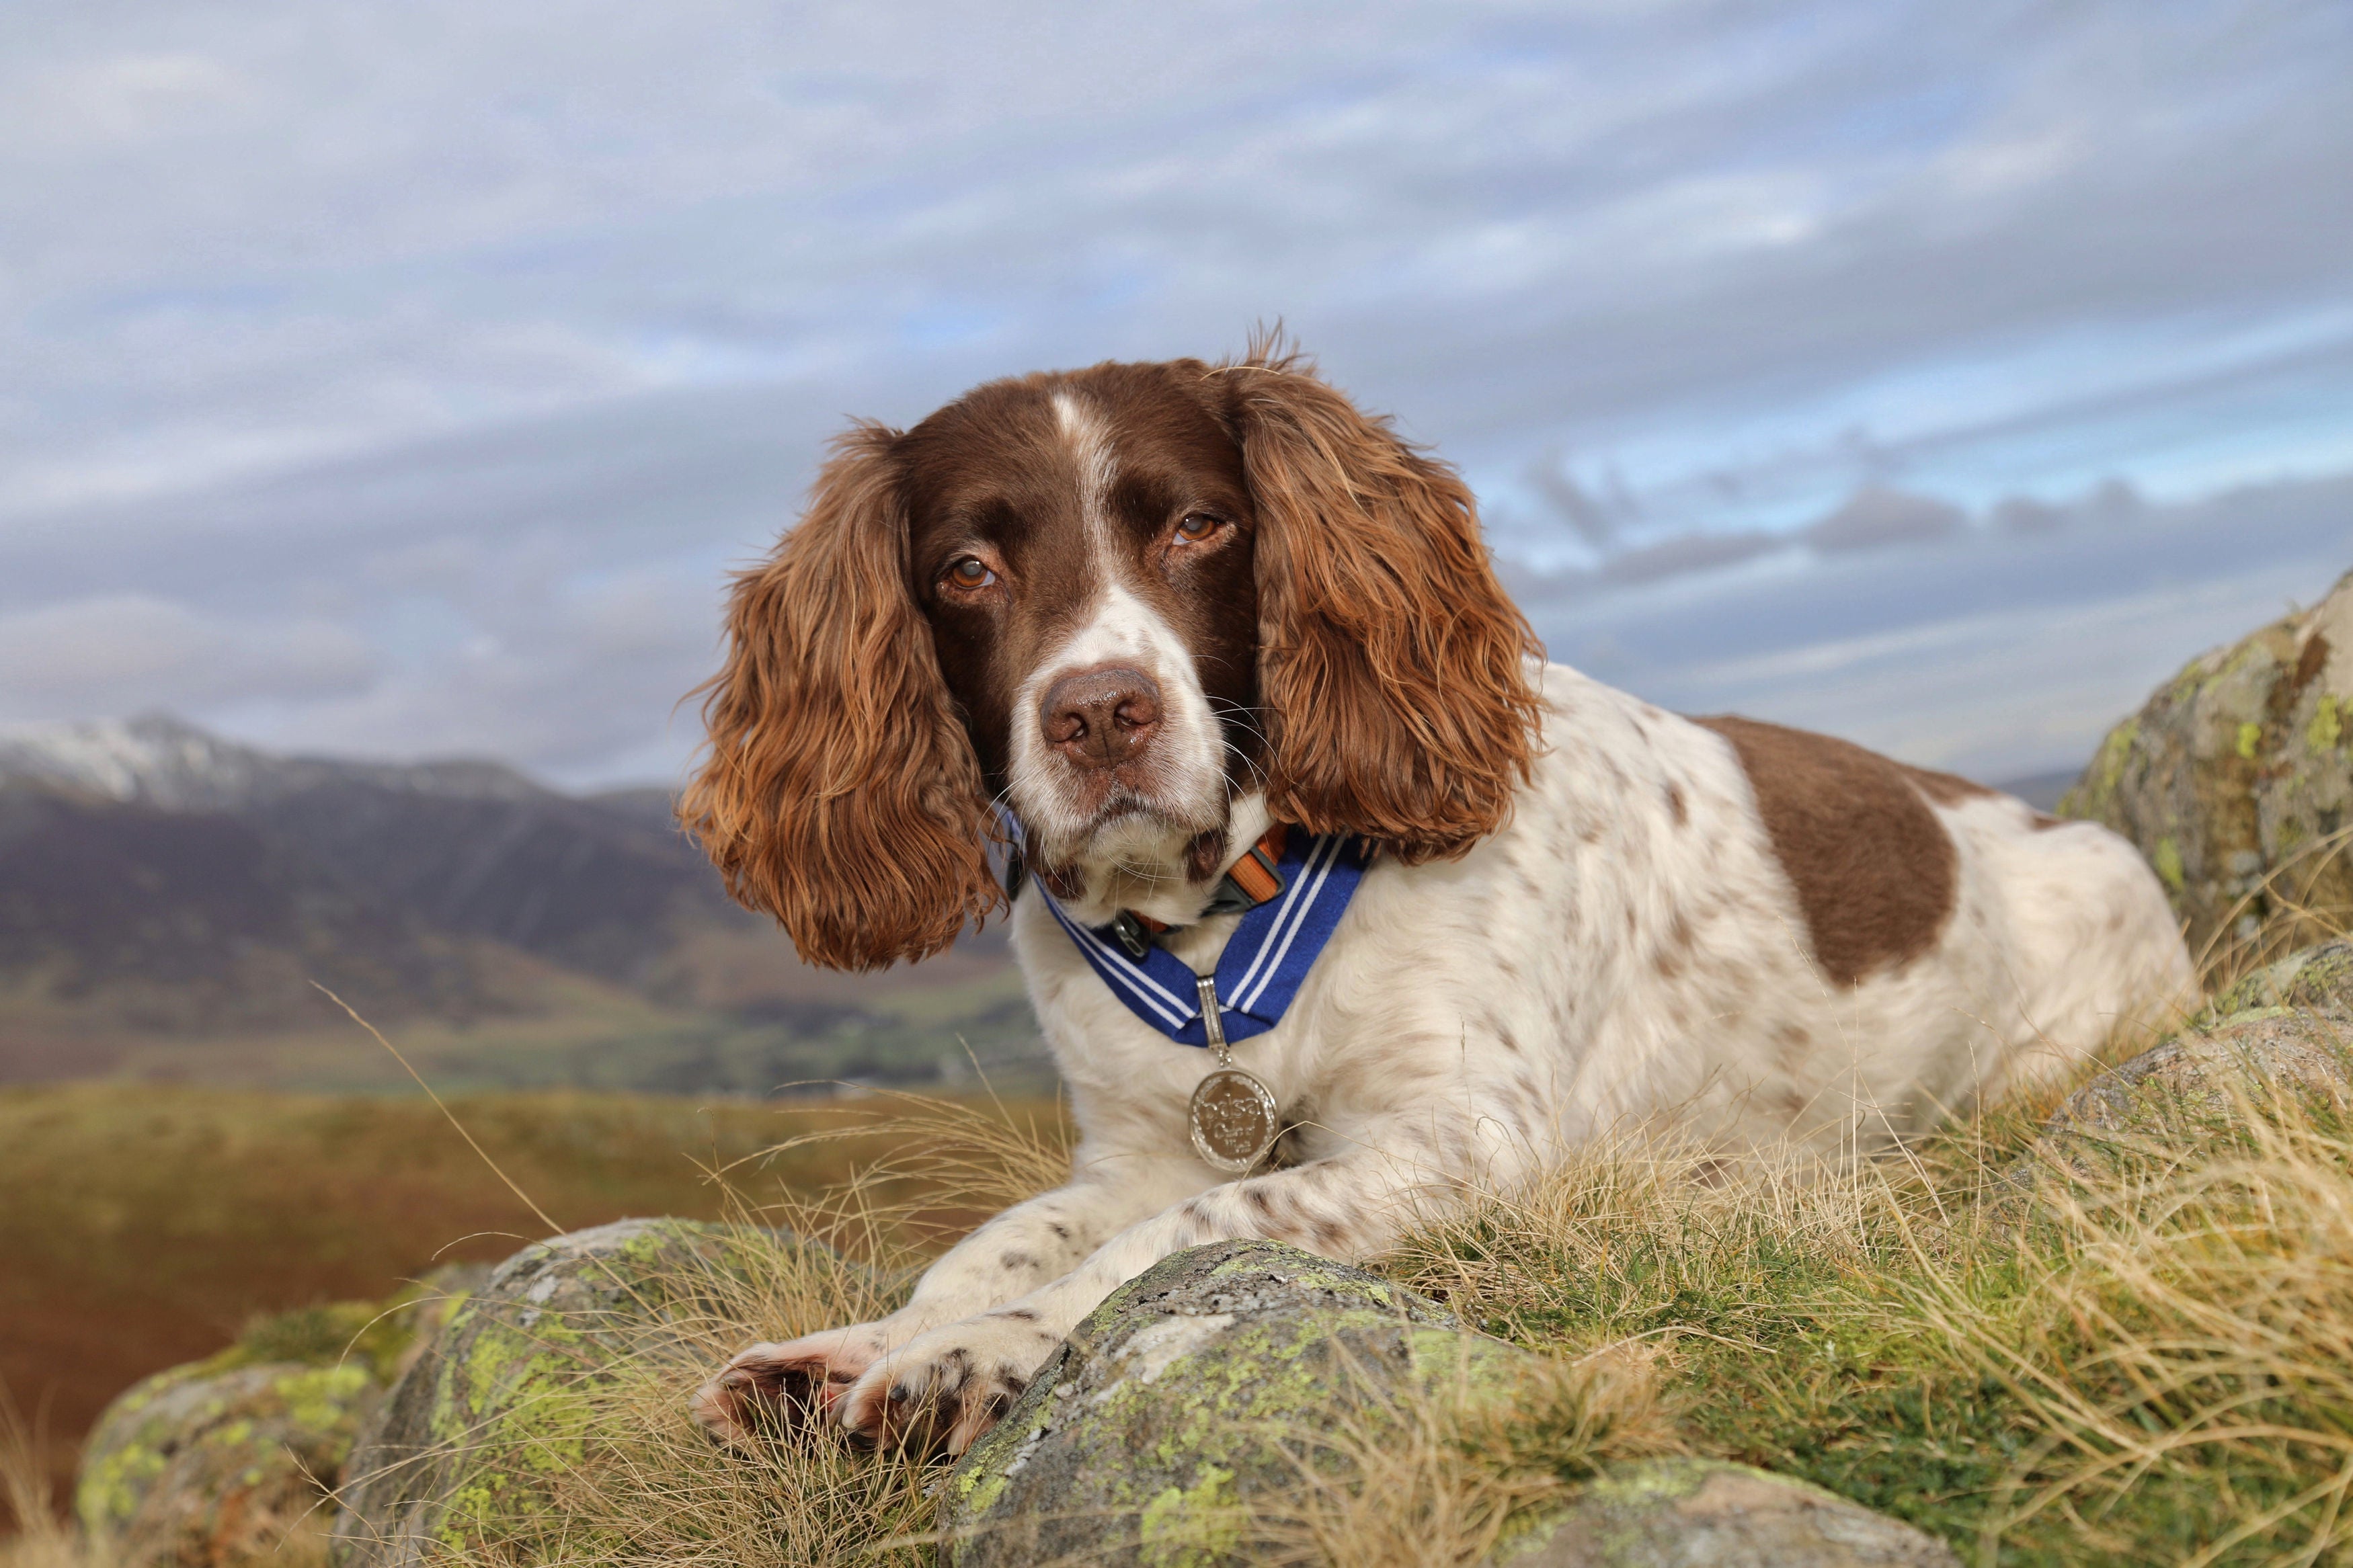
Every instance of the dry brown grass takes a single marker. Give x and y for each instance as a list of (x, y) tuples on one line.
[(1436, 1479), (2293, 913), (2184, 1324), (2139, 1354), (145, 1225), (25, 1484)]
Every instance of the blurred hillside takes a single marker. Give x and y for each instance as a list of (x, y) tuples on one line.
[(167, 898)]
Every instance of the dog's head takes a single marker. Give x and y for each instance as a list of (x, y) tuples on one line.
[(1121, 601)]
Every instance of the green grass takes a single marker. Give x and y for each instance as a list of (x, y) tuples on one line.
[(2151, 1360)]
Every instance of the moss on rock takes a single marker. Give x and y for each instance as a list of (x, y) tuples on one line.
[(2317, 979), (2236, 780), (217, 1460), (1152, 1432), (470, 1450), (2204, 1085), (215, 1464)]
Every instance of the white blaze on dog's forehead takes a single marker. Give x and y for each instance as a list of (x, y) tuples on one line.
[(1089, 446), (1182, 783), (1124, 627)]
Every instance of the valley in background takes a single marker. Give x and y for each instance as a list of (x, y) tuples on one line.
[(167, 899)]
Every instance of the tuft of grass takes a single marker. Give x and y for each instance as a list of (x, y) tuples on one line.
[(651, 1486), (1438, 1479), (2183, 1335), (41, 1539), (2287, 910)]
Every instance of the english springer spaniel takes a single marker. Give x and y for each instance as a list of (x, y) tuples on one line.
[(1334, 900)]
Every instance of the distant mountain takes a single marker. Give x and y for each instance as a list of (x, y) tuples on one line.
[(200, 921), (158, 760), (157, 879), (459, 848)]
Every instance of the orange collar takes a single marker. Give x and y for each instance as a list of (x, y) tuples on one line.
[(1251, 881)]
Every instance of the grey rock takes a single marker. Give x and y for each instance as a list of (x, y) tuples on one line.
[(1177, 1421), (2318, 980), (466, 1452), (1147, 1439), (202, 1467), (1702, 1513), (2236, 780), (2198, 1083)]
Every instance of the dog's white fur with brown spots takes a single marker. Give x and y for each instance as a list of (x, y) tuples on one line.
[(1657, 929)]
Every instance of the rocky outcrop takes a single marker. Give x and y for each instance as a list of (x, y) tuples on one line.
[(2236, 780), (2316, 980), (2279, 1041), (1179, 1424), (470, 1448), (2198, 1083), (1703, 1514), (1147, 1439), (198, 1467), (222, 1461)]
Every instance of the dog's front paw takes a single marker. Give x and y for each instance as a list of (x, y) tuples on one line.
[(767, 1388), (939, 1392)]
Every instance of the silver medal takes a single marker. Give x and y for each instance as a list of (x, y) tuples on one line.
[(1234, 1118)]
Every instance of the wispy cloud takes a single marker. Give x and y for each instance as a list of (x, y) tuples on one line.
[(1991, 649), (489, 337)]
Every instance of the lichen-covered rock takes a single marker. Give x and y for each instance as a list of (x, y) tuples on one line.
[(217, 1461), (1702, 1513), (215, 1464), (1149, 1434), (472, 1447), (1180, 1425), (2317, 980), (2201, 1081), (2235, 776)]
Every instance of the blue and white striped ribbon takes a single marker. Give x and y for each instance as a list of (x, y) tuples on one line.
[(1264, 963)]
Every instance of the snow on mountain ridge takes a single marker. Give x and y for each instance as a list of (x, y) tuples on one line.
[(166, 762)]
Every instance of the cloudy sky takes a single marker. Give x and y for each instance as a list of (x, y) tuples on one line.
[(404, 378)]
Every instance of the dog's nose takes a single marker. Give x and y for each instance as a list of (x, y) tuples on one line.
[(1099, 718)]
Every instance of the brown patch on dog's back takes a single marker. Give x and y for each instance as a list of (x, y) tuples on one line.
[(1874, 870)]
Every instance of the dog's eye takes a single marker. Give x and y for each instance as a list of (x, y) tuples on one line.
[(1196, 526), (971, 572)]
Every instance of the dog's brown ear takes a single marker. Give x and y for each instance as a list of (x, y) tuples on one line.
[(1391, 663), (839, 793)]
